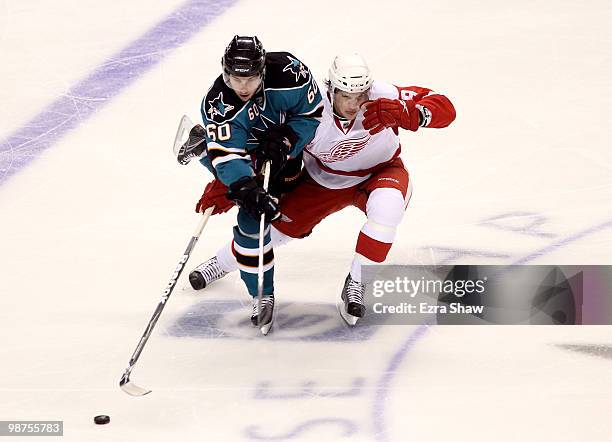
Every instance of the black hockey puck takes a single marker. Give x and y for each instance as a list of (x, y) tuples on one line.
[(102, 419)]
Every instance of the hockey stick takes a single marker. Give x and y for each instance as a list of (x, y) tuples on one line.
[(260, 267), (125, 383)]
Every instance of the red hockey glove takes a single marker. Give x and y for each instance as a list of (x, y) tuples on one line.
[(383, 113), (214, 195)]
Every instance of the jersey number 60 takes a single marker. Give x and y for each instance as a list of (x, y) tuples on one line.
[(221, 133), (312, 92)]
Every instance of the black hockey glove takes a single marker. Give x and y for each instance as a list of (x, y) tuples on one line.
[(274, 146), (254, 199), (288, 178), (193, 147)]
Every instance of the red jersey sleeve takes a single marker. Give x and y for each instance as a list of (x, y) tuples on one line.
[(436, 109)]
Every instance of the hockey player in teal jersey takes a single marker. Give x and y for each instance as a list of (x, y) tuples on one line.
[(263, 107)]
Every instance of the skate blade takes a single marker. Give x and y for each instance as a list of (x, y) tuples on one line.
[(264, 329), (348, 318)]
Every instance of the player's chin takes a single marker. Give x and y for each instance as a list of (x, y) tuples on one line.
[(246, 97)]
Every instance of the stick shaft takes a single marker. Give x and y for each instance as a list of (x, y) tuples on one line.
[(169, 288), (262, 227)]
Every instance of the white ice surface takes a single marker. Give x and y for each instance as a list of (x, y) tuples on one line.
[(91, 231)]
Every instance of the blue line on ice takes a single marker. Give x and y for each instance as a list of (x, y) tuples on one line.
[(106, 81)]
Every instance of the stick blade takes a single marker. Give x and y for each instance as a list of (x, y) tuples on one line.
[(182, 134), (130, 388)]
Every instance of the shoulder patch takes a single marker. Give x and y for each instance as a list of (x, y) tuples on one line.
[(221, 103), (283, 70), (296, 67), (217, 106)]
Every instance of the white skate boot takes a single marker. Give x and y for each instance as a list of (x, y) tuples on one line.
[(207, 272)]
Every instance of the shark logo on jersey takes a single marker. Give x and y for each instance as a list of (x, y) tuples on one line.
[(296, 68), (218, 107)]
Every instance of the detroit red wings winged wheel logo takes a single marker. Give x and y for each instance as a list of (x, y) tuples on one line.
[(343, 150)]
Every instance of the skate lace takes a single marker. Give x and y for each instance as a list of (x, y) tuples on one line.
[(354, 291), (265, 301), (211, 271)]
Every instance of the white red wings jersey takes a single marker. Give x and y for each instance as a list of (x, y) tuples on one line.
[(343, 155)]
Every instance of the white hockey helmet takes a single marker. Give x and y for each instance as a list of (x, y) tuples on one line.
[(350, 73)]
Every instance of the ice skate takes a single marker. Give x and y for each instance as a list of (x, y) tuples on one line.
[(352, 307), (264, 318), (207, 272)]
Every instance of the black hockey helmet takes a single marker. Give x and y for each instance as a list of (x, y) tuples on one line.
[(244, 57)]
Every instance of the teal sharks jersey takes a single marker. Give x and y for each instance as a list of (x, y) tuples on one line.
[(289, 95)]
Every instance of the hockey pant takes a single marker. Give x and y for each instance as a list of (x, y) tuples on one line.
[(384, 210)]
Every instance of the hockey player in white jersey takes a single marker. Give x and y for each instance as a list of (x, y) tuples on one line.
[(353, 160)]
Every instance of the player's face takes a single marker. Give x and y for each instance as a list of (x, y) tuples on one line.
[(348, 104), (245, 87)]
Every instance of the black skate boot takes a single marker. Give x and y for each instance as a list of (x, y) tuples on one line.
[(263, 318), (206, 273), (352, 297)]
